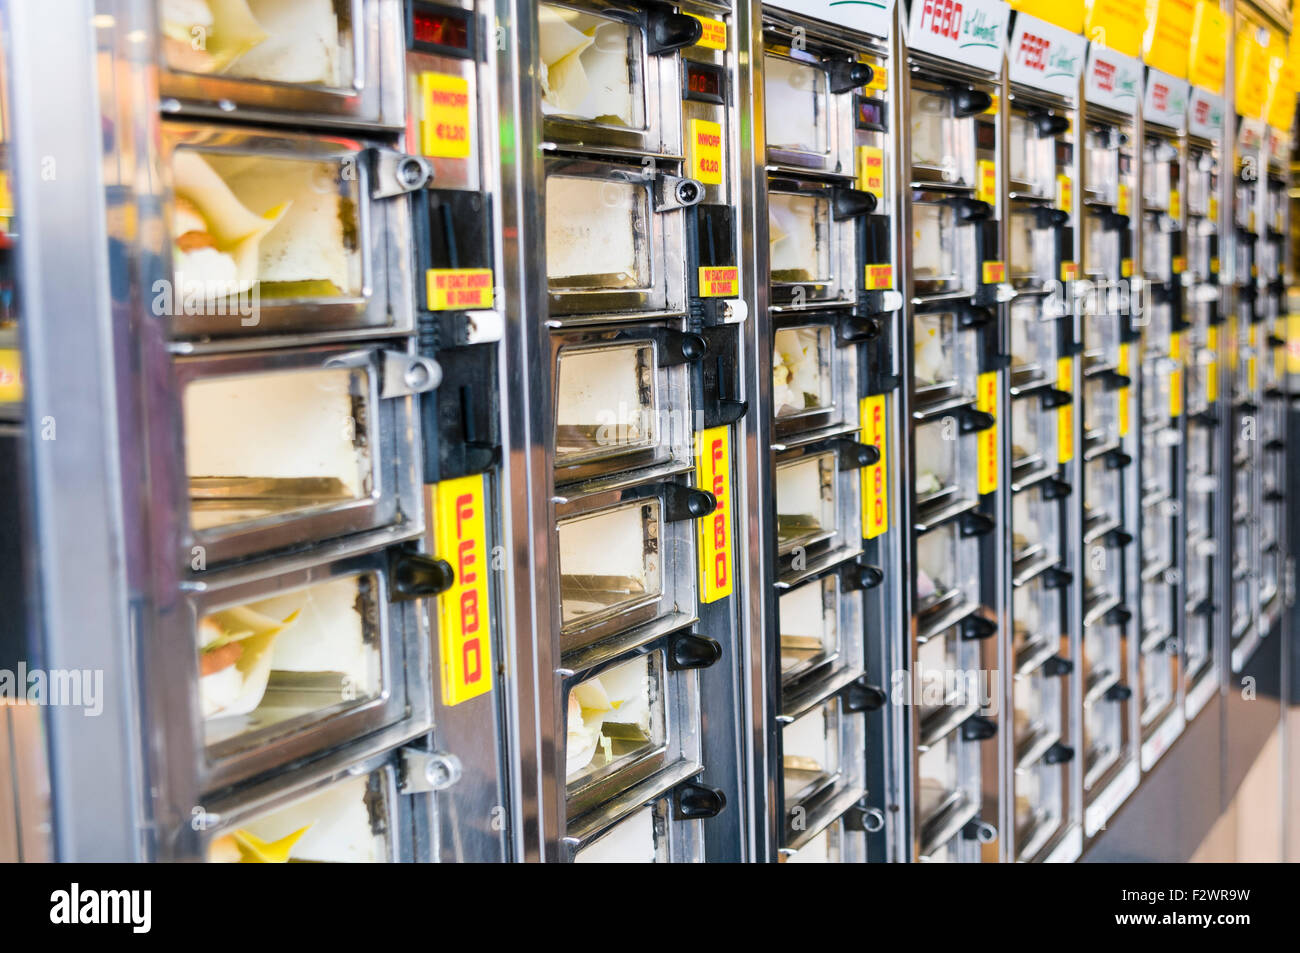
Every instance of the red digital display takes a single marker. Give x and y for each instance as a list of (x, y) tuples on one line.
[(437, 29), (704, 82)]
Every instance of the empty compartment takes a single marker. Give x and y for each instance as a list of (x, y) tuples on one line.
[(945, 359), (1157, 683), (609, 562), (1038, 807), (1036, 715), (1032, 157), (942, 145), (349, 821), (798, 109), (1031, 255), (597, 246), (1157, 248), (1033, 343), (947, 795), (810, 752), (617, 406), (948, 566), (1033, 438), (1036, 623), (639, 838), (805, 501), (945, 664), (810, 256), (943, 251), (1100, 248), (261, 447), (1103, 738), (1102, 163), (809, 626), (616, 723)]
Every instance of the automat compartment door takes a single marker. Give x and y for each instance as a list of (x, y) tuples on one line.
[(356, 817), (808, 103), (287, 447), (294, 663), (609, 74), (284, 233), (811, 256), (322, 60), (615, 238)]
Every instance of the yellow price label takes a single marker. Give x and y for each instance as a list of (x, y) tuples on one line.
[(704, 140), (714, 35), (1176, 375), (871, 170), (1122, 394), (444, 120)]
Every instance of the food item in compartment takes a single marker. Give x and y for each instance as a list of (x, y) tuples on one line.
[(797, 371), (244, 847), (235, 659), (932, 363), (608, 717), (927, 482), (216, 237), (585, 69), (277, 41)]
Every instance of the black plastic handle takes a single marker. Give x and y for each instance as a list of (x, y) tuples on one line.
[(969, 102), (1057, 667), (978, 728), (417, 576), (691, 651), (846, 75), (692, 801), (856, 577), (687, 503), (667, 31), (859, 695), (848, 204)]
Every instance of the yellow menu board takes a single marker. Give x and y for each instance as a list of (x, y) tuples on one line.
[(1116, 24), (1067, 14), (1252, 75), (1168, 35), (1280, 111), (1207, 63)]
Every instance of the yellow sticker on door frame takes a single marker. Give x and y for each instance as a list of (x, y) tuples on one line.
[(464, 611), (986, 400), (1065, 412), (445, 116), (713, 473), (875, 478), (704, 145)]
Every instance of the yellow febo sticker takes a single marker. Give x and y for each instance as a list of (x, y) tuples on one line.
[(986, 180), (875, 478), (1065, 413), (713, 447), (1212, 369), (1122, 393), (705, 140), (720, 281), (1175, 204), (714, 36), (994, 272), (444, 122), (1064, 193), (464, 613), (1176, 375), (1121, 205), (986, 389), (458, 289), (871, 170), (11, 377)]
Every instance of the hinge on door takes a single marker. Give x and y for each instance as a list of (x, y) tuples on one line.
[(423, 772), (395, 173)]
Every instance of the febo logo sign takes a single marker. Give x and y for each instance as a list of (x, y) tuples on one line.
[(941, 18), (1044, 56), (1033, 51), (1103, 75), (1160, 96)]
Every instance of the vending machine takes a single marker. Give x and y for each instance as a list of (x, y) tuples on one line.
[(1042, 806), (1161, 321), (1206, 476), (630, 291), (1110, 134), (958, 296), (826, 325)]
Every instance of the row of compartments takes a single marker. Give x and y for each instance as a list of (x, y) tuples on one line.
[(376, 810), (608, 72)]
